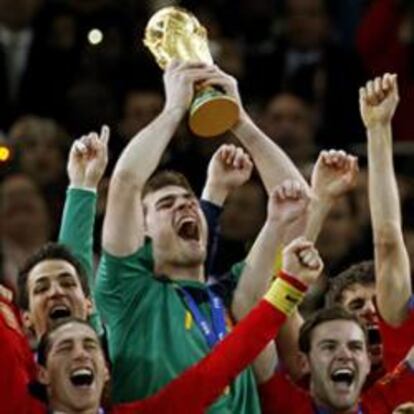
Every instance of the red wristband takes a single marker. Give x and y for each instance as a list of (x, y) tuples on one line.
[(292, 280)]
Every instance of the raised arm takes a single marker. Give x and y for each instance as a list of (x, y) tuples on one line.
[(200, 385), (123, 231), (287, 203), (271, 161), (87, 162), (88, 159), (334, 174), (378, 102), (229, 168)]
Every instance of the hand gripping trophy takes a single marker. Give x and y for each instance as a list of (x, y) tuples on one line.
[(175, 33)]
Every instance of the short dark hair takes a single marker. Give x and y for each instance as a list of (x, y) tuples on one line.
[(45, 343), (362, 273), (163, 179), (49, 251), (322, 316)]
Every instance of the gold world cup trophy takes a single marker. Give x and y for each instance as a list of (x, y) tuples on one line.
[(175, 33)]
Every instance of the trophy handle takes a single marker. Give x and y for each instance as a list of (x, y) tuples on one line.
[(212, 112)]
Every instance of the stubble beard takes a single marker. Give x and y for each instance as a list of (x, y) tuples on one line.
[(191, 259)]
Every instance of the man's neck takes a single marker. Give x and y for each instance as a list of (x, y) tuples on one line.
[(325, 408), (177, 272), (65, 410), (68, 411)]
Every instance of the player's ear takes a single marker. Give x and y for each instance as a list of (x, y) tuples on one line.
[(303, 363)]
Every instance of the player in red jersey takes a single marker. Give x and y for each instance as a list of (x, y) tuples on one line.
[(73, 370), (382, 296), (378, 102), (334, 342), (355, 290)]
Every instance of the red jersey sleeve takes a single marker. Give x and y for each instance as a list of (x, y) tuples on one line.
[(389, 392), (16, 362), (281, 395), (200, 385), (397, 341)]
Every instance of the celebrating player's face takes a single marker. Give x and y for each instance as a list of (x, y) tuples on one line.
[(176, 225), (358, 299), (55, 292), (75, 372), (339, 364)]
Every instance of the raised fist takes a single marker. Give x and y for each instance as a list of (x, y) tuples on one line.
[(378, 100), (288, 202), (302, 260), (334, 174)]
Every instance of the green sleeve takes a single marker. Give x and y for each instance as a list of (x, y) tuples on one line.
[(76, 232), (237, 270), (76, 228), (123, 282)]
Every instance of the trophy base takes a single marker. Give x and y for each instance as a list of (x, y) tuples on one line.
[(212, 113)]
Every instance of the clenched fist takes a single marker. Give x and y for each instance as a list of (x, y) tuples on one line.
[(302, 260), (378, 100)]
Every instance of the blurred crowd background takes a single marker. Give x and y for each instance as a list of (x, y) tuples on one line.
[(69, 66)]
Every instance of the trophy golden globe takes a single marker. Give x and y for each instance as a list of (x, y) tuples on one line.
[(175, 33)]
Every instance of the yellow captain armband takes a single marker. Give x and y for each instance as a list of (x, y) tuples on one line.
[(286, 293)]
